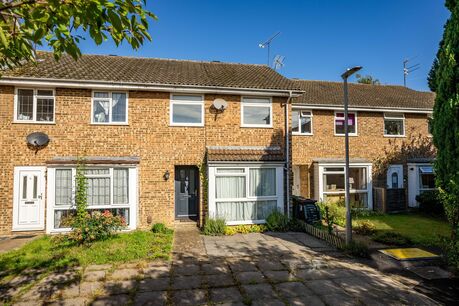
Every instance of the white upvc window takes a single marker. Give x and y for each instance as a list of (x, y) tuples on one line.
[(332, 185), (426, 178), (108, 188), (256, 112), (394, 124), (245, 194), (186, 110), (34, 105), (109, 107), (339, 123), (301, 121)]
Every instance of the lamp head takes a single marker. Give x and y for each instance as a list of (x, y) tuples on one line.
[(350, 71)]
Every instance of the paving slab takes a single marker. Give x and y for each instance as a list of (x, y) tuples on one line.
[(306, 301), (259, 291), (152, 298), (279, 276), (77, 301), (186, 282), (112, 300), (153, 284), (124, 274), (121, 286), (186, 269), (250, 277), (215, 268), (242, 266), (91, 288), (268, 302), (225, 295), (324, 287), (219, 280), (293, 289), (190, 297), (93, 276)]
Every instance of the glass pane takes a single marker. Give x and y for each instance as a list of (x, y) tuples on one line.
[(101, 110), (306, 125), (339, 123), (265, 208), (63, 191), (426, 169), (186, 113), (262, 182), (334, 169), (187, 98), (295, 121), (45, 109), (334, 182), (120, 186), (45, 93), (25, 104), (394, 179), (35, 187), (236, 211), (63, 218), (230, 187), (257, 115), (358, 178), (256, 100), (393, 127), (98, 191), (394, 115), (24, 187), (427, 181), (122, 212), (119, 107), (230, 170), (97, 171), (359, 200), (101, 95)]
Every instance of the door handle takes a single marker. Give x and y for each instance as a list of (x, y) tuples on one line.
[(40, 196)]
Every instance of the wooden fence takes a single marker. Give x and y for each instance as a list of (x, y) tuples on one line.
[(332, 239), (389, 200)]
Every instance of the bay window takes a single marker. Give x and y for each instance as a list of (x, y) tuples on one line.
[(351, 123), (332, 184), (108, 188), (394, 124), (109, 107), (244, 195), (256, 112), (187, 110), (34, 105), (301, 122)]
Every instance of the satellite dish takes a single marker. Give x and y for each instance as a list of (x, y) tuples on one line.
[(37, 139), (220, 104)]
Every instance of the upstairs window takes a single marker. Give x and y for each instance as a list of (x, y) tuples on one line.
[(187, 110), (352, 123), (34, 105), (256, 112), (109, 107), (430, 124), (301, 122), (394, 124)]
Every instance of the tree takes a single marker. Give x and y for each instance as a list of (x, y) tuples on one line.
[(59, 24), (433, 70), (445, 122), (367, 79)]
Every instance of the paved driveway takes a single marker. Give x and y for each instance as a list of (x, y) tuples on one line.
[(253, 269)]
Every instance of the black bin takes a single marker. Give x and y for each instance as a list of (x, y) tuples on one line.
[(306, 209)]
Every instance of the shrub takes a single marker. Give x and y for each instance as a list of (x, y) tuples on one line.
[(392, 238), (356, 248), (277, 222), (214, 227), (245, 229), (96, 226), (161, 228), (336, 212), (364, 227), (451, 249), (430, 203)]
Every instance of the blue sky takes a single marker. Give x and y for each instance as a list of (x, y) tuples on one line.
[(319, 39)]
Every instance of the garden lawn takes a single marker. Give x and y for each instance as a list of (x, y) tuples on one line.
[(49, 253), (421, 229)]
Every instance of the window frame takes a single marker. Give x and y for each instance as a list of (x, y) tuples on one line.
[(387, 116), (110, 99), (299, 109), (34, 111), (252, 104), (420, 174), (172, 102), (356, 123), (429, 125), (132, 204)]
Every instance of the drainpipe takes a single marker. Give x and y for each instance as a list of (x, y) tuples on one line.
[(287, 154)]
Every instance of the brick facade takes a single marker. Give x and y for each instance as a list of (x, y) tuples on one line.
[(148, 136)]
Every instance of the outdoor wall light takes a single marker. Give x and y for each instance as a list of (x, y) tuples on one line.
[(166, 175)]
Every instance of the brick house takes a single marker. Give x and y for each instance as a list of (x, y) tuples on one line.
[(383, 120), (167, 140), (144, 127)]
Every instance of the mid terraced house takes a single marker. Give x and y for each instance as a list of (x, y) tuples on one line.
[(167, 140)]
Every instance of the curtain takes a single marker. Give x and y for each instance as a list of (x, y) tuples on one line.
[(230, 187), (262, 182), (264, 208), (101, 110), (99, 191), (63, 191), (120, 186), (119, 107), (236, 211)]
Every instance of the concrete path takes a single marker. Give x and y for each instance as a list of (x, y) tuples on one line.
[(9, 243)]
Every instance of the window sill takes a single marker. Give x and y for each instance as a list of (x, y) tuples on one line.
[(110, 124), (186, 125), (34, 122), (350, 135)]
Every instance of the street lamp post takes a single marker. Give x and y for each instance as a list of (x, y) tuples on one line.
[(345, 76)]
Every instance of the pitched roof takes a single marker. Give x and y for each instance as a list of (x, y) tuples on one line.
[(324, 93), (222, 154), (152, 71)]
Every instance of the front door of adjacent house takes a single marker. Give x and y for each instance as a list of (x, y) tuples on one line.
[(29, 199), (395, 177), (186, 192)]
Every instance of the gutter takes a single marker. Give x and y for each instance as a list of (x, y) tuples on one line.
[(366, 109)]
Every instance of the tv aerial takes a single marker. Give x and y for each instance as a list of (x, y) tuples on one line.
[(279, 62), (407, 69), (37, 141), (267, 44)]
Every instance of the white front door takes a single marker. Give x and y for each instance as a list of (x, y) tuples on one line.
[(29, 198), (395, 176)]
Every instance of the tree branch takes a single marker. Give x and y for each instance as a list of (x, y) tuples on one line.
[(14, 5)]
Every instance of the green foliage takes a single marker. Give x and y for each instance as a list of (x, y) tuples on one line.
[(161, 228), (336, 212), (392, 238), (367, 79), (451, 250), (277, 222), (430, 203), (364, 227), (358, 249), (329, 220), (81, 195), (214, 227), (446, 123), (58, 24), (245, 229)]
